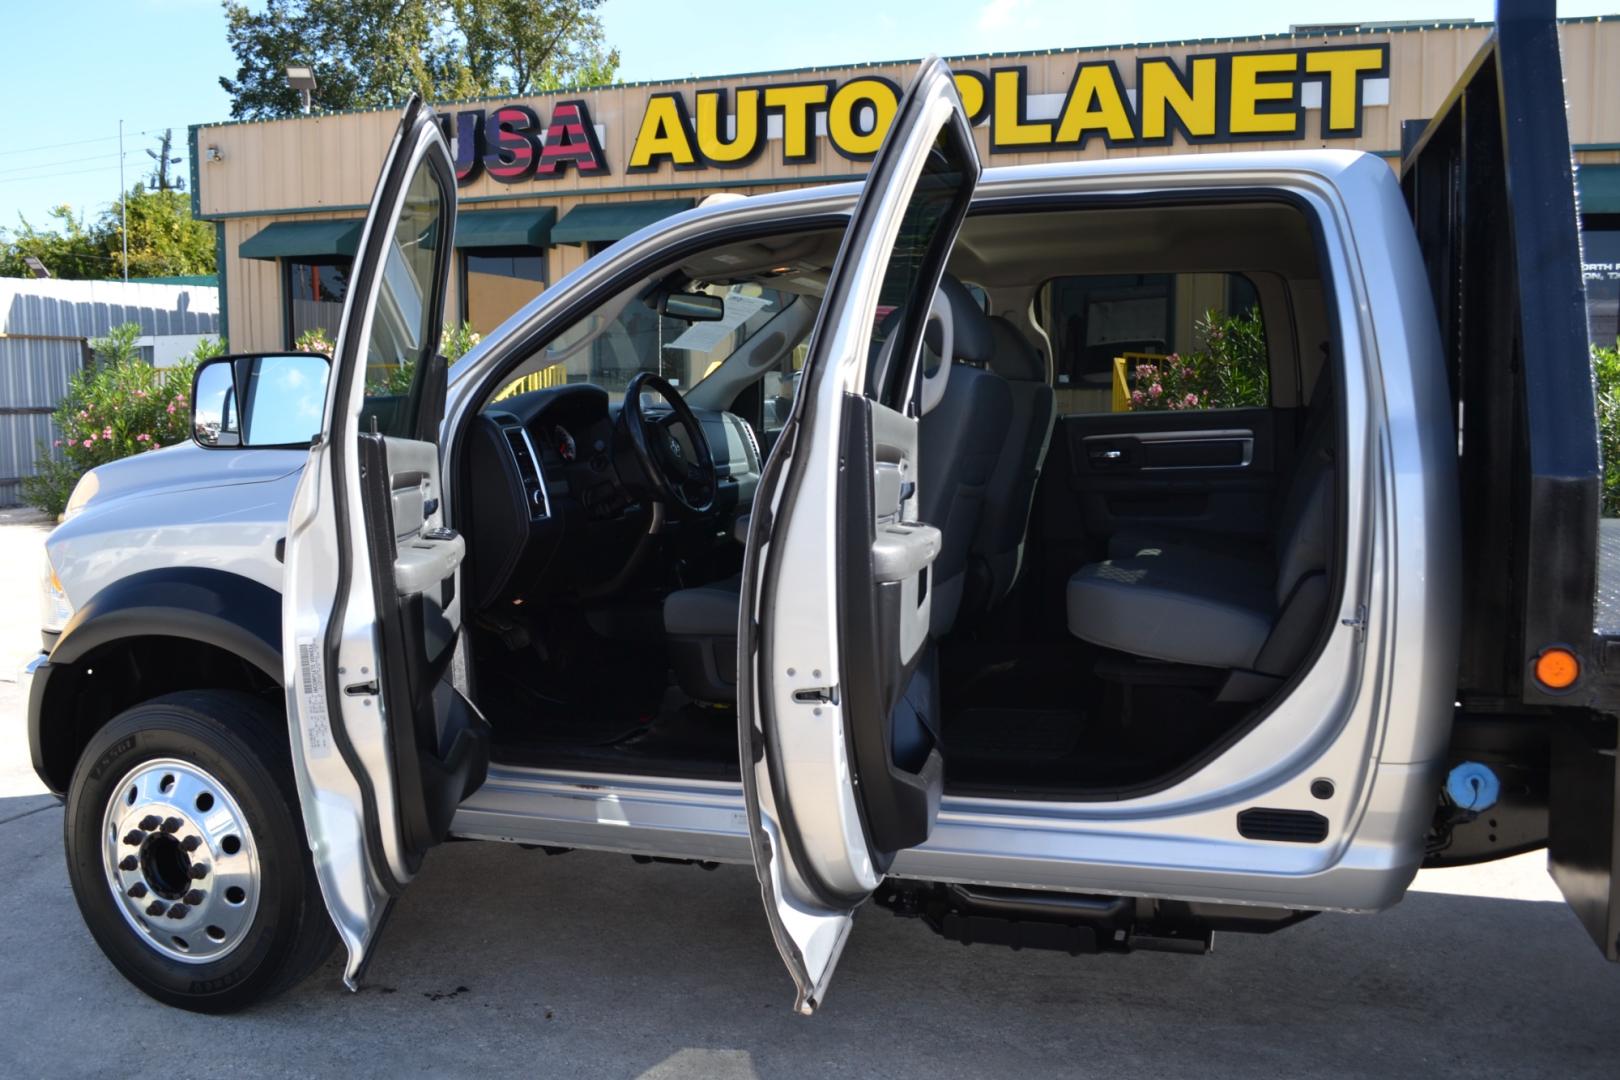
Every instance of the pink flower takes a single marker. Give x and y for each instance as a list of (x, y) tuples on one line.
[(1145, 371), (157, 446), (1137, 397), (83, 414), (1155, 391), (106, 432), (171, 410), (1191, 401), (57, 442), (90, 441), (144, 437), (140, 393)]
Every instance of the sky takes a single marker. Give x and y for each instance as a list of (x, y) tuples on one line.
[(74, 69)]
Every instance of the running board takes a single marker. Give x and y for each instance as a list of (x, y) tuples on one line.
[(1074, 923)]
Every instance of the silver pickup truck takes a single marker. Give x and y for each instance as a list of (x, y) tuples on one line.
[(853, 603)]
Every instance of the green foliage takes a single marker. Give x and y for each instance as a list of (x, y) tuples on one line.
[(119, 406), (1227, 371), (458, 341), (164, 241), (1606, 381), (375, 53)]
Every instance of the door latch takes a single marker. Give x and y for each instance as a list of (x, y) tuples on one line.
[(364, 689), (1358, 621)]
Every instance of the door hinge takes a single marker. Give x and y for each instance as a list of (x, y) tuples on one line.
[(1358, 621)]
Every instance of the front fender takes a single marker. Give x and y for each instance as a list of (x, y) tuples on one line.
[(217, 608)]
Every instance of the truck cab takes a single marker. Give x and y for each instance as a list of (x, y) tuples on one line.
[(774, 535)]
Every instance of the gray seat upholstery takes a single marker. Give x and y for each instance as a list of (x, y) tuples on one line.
[(998, 549), (1238, 609), (960, 442)]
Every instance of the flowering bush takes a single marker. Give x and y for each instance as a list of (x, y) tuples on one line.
[(1226, 371), (119, 406), (1606, 381), (395, 380)]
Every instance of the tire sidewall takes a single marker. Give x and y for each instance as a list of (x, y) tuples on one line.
[(165, 729)]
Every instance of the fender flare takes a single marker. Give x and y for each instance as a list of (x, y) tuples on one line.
[(216, 607)]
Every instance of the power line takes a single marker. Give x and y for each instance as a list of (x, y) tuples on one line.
[(49, 176), (57, 162), (156, 130)]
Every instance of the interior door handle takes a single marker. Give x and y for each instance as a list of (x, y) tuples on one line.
[(1107, 455), (904, 549)]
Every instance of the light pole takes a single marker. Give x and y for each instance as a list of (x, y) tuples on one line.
[(301, 78)]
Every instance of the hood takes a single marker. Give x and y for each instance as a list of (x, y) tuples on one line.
[(181, 467)]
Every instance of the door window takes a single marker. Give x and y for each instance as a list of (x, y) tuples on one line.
[(405, 319), (1146, 342)]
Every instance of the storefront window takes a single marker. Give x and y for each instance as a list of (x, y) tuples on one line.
[(1186, 341), (1600, 266), (496, 282), (315, 290)]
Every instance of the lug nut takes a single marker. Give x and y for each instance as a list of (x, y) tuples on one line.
[(134, 837), (199, 871), (178, 911), (172, 825), (129, 862), (156, 907), (138, 890), (150, 822), (190, 844), (194, 897)]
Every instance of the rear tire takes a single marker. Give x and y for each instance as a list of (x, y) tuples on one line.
[(186, 851)]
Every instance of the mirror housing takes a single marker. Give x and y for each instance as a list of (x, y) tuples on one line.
[(264, 401), (693, 307)]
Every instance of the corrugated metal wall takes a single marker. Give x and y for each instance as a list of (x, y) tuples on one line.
[(44, 330)]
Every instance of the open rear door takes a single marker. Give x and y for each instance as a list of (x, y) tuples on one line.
[(840, 757), (383, 746), (1491, 189)]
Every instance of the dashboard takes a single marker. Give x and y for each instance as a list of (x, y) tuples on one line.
[(550, 508)]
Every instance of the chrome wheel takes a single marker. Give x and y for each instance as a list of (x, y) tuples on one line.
[(180, 860)]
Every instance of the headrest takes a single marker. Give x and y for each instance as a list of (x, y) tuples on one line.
[(970, 326), (1015, 358)]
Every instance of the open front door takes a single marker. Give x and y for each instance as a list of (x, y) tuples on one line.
[(383, 746), (841, 761), (1491, 191)]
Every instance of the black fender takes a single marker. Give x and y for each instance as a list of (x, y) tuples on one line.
[(216, 607)]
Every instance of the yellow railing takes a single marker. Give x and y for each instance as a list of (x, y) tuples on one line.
[(555, 375)]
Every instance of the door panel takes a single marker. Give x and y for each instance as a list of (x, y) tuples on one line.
[(384, 748), (841, 762), (1211, 471)]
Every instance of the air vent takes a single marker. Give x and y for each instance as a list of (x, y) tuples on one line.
[(528, 466), (1284, 826)]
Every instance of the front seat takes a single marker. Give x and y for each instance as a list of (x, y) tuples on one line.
[(998, 549), (960, 442)]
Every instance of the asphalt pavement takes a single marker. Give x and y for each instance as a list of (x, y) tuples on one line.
[(501, 961)]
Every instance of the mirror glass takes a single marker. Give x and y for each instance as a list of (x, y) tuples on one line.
[(694, 307), (213, 406), (258, 401)]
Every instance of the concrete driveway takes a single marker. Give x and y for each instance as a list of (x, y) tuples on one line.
[(501, 961)]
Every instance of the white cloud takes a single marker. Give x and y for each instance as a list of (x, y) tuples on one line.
[(998, 14)]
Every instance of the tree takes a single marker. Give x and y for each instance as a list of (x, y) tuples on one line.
[(68, 251), (164, 241), (375, 53)]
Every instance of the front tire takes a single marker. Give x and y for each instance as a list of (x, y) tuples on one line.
[(186, 851)]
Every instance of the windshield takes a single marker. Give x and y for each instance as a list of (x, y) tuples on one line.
[(627, 336)]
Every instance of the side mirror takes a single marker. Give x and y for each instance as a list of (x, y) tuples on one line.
[(693, 307), (276, 400)]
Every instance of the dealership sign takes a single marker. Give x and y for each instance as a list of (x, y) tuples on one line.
[(1220, 98)]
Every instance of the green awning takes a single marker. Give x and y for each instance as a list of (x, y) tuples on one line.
[(1600, 188), (528, 227), (606, 222), (294, 239)]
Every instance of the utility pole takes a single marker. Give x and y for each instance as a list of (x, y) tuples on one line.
[(123, 200)]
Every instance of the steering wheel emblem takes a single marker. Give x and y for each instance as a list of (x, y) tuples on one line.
[(671, 472)]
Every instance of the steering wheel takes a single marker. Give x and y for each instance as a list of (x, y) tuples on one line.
[(669, 470)]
